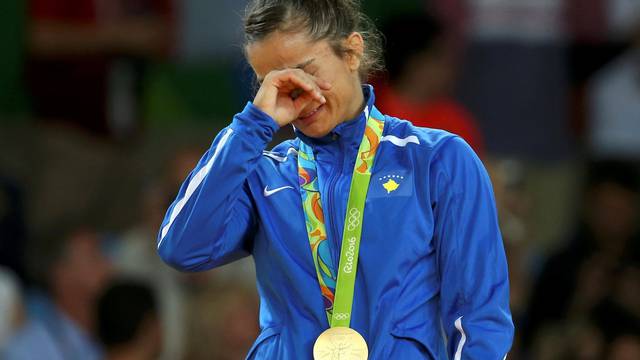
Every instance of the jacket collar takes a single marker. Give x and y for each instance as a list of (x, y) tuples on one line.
[(348, 132)]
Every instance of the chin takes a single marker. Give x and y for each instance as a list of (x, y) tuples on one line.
[(316, 129), (315, 133)]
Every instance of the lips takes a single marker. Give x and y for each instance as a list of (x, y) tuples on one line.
[(310, 116), (310, 113)]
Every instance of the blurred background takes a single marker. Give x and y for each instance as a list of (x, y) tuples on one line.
[(106, 105)]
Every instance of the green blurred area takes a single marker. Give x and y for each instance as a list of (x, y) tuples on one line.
[(13, 21), (381, 10), (175, 94)]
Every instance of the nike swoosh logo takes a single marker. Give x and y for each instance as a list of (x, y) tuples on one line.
[(268, 192)]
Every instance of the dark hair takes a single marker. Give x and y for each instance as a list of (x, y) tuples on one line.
[(332, 20), (49, 247), (618, 172), (122, 309), (406, 36)]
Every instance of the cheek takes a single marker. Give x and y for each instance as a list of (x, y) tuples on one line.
[(337, 90), (339, 76), (336, 97), (336, 72)]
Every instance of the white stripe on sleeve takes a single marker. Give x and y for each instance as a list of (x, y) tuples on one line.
[(277, 157), (463, 338), (402, 142), (196, 180)]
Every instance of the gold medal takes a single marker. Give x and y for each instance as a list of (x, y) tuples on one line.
[(340, 343)]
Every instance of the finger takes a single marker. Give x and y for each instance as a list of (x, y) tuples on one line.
[(304, 81), (291, 79), (267, 94), (303, 100), (323, 84), (317, 82)]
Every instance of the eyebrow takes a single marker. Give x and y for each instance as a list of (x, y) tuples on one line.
[(304, 64), (300, 66)]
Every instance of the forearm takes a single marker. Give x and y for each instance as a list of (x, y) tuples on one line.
[(209, 221), (474, 276)]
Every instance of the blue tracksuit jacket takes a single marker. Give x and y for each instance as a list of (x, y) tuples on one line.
[(432, 278)]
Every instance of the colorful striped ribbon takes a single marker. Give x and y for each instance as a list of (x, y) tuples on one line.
[(312, 206)]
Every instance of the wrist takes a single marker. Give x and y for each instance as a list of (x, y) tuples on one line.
[(254, 123)]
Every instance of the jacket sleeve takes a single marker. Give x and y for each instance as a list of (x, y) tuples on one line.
[(212, 219), (474, 283)]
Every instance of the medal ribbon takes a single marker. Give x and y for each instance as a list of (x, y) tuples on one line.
[(338, 289)]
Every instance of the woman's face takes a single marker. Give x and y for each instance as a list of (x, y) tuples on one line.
[(280, 51)]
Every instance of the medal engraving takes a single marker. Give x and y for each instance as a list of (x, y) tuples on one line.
[(340, 343)]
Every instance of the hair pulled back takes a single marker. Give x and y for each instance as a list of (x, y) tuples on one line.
[(331, 20)]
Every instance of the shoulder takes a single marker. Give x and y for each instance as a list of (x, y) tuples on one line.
[(618, 67), (33, 336), (429, 141), (448, 159)]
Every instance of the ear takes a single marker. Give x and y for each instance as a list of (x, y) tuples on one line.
[(354, 43)]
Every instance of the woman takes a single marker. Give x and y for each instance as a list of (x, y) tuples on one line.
[(381, 232)]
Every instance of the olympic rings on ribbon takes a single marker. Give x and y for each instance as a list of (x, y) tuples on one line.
[(353, 220)]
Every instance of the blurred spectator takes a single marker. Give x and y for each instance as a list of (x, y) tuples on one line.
[(222, 317), (618, 314), (70, 266), (12, 228), (11, 307), (614, 101), (625, 348), (86, 57), (515, 78), (420, 80), (134, 254), (128, 322), (513, 202), (595, 278)]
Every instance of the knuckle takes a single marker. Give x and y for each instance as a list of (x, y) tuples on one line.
[(268, 77), (275, 74)]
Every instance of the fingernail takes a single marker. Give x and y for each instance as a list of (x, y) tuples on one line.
[(324, 100)]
